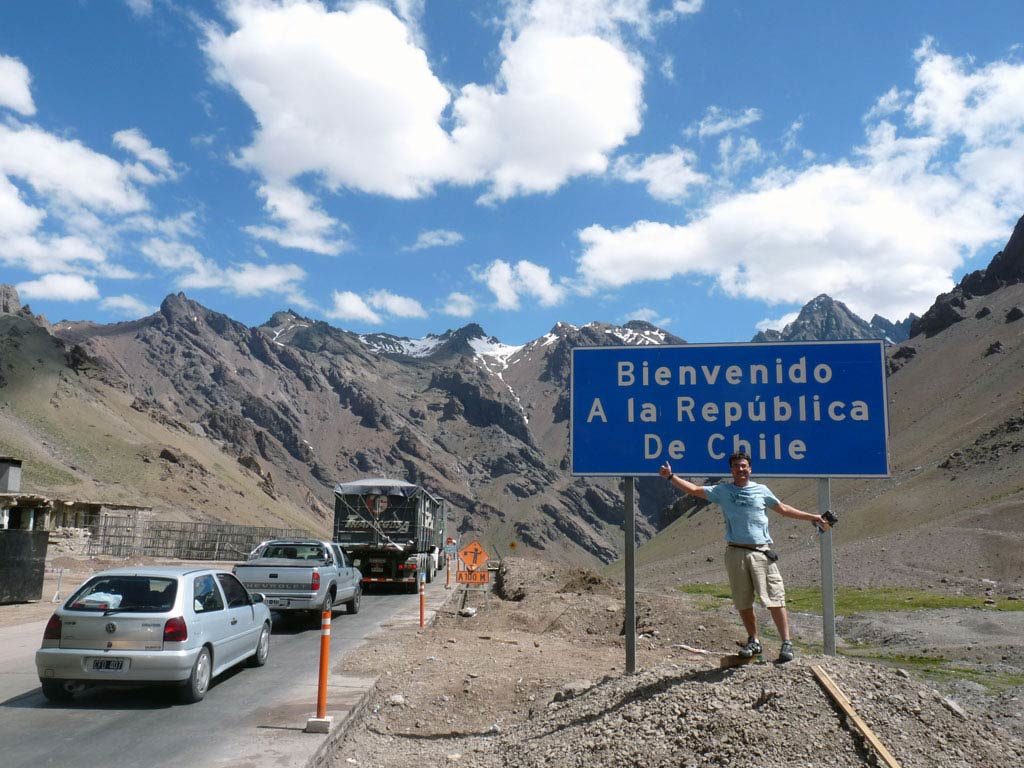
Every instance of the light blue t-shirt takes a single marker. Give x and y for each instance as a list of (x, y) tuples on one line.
[(744, 510)]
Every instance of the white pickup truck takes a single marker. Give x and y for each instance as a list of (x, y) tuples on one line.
[(302, 575)]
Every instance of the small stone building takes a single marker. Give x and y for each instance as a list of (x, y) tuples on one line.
[(32, 512)]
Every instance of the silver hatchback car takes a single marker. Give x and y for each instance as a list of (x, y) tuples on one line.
[(127, 626)]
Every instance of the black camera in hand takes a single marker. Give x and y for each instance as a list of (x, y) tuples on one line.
[(829, 517)]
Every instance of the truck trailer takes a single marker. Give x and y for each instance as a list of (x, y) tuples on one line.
[(392, 530)]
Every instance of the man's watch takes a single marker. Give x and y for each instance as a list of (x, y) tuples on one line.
[(670, 476)]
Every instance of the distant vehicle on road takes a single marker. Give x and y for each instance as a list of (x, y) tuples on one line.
[(302, 575), (177, 625), (393, 530)]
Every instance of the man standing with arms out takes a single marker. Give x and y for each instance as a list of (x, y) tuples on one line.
[(748, 557)]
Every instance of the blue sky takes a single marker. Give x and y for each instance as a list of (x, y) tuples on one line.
[(413, 166)]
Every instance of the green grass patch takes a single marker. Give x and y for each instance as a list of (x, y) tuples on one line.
[(850, 600), (939, 669)]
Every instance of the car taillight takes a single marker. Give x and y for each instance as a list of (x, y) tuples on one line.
[(52, 631), (175, 630), (314, 583)]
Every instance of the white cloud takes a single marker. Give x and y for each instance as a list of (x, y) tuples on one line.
[(140, 7), (459, 305), (15, 92), (350, 306), (668, 68), (379, 131), (24, 247), (648, 315), (562, 103), (508, 283), (984, 106), (173, 255), (173, 228), (668, 176), (777, 324), (435, 238), (244, 279), (567, 94), (249, 279), (305, 226), (126, 305), (790, 139), (57, 287), (154, 165), (687, 6), (889, 103), (40, 254), (733, 154), (399, 306), (16, 216), (717, 120), (67, 171), (883, 231)]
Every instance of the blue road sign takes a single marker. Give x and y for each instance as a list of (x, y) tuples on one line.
[(800, 409)]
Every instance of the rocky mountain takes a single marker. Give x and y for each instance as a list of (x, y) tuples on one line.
[(1005, 269), (297, 405), (202, 417), (825, 319)]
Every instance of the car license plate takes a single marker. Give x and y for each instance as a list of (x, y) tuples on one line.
[(108, 665), (276, 601)]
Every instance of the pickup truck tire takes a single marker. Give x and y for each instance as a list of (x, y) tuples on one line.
[(352, 606), (328, 603), (259, 658)]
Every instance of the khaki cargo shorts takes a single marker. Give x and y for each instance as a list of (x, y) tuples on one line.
[(752, 575)]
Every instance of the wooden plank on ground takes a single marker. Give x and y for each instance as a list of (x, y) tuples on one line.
[(844, 704)]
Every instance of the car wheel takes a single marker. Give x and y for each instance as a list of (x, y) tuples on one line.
[(328, 603), (352, 606), (259, 658), (55, 691), (199, 681)]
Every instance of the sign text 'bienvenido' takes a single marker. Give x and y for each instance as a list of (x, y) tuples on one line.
[(815, 409)]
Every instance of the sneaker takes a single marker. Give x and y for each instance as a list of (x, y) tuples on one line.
[(752, 648), (786, 651)]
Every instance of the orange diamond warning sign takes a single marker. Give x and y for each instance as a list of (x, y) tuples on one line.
[(473, 555)]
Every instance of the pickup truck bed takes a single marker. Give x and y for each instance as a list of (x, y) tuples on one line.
[(310, 576)]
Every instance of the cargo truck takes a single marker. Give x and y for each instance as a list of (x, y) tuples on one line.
[(392, 530)]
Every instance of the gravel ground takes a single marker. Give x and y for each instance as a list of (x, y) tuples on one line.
[(536, 678)]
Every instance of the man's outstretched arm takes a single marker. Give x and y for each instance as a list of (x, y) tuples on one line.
[(683, 485), (792, 512)]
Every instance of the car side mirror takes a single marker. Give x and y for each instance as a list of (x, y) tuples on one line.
[(257, 597)]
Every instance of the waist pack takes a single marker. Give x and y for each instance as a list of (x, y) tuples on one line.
[(771, 554)]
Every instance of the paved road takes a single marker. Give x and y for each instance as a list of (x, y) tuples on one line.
[(249, 718)]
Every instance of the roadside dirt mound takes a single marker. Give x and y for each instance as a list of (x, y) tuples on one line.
[(538, 681), (757, 715)]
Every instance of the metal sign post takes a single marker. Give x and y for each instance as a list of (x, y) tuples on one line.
[(630, 619), (828, 592)]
